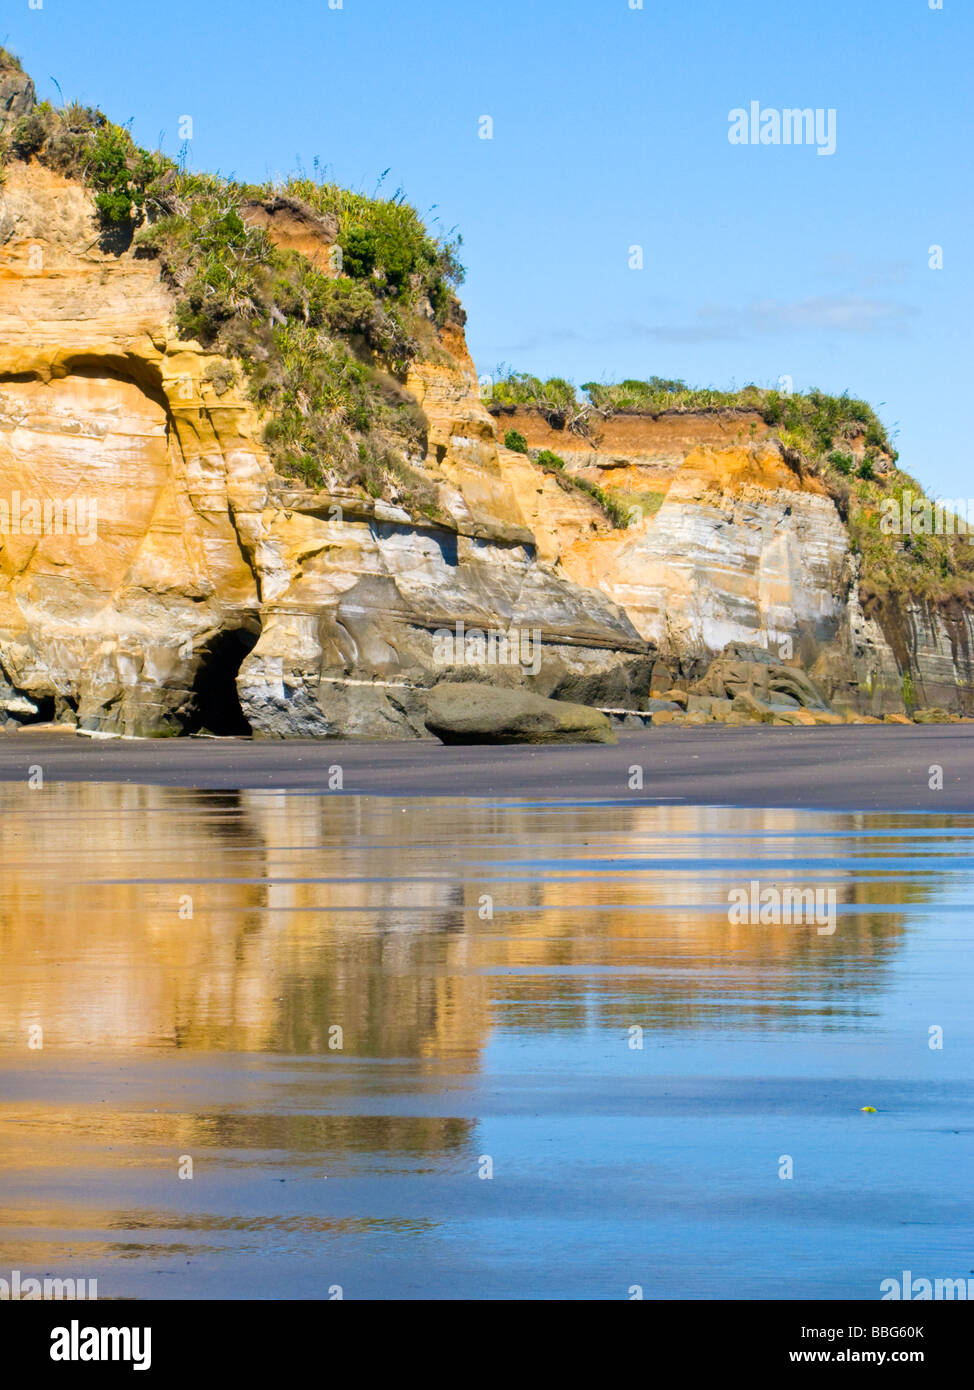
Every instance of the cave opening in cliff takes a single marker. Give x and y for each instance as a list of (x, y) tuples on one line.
[(44, 711), (216, 704)]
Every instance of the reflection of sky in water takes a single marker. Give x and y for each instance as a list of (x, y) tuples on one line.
[(466, 1036)]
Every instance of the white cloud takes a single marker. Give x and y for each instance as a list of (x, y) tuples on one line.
[(823, 313)]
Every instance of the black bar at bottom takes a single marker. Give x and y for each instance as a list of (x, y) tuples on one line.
[(295, 1338)]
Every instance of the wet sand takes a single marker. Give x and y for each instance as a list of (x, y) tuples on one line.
[(858, 767)]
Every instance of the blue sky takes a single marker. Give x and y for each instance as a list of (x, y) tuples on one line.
[(610, 130)]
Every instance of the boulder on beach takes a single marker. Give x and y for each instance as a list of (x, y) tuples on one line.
[(750, 670), (473, 713), (934, 715)]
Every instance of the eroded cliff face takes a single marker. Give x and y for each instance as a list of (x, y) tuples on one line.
[(727, 543), (17, 95), (156, 576), (133, 489)]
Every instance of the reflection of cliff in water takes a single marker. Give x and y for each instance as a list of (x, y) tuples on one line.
[(313, 913)]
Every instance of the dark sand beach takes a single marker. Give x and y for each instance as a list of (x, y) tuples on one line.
[(859, 767)]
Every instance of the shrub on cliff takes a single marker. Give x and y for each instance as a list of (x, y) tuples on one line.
[(80, 142), (549, 459), (385, 243), (220, 268), (30, 133), (120, 173), (516, 442), (352, 311), (659, 394), (819, 421), (555, 398)]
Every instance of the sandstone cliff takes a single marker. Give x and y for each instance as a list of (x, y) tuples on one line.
[(205, 567), (162, 572), (728, 543)]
